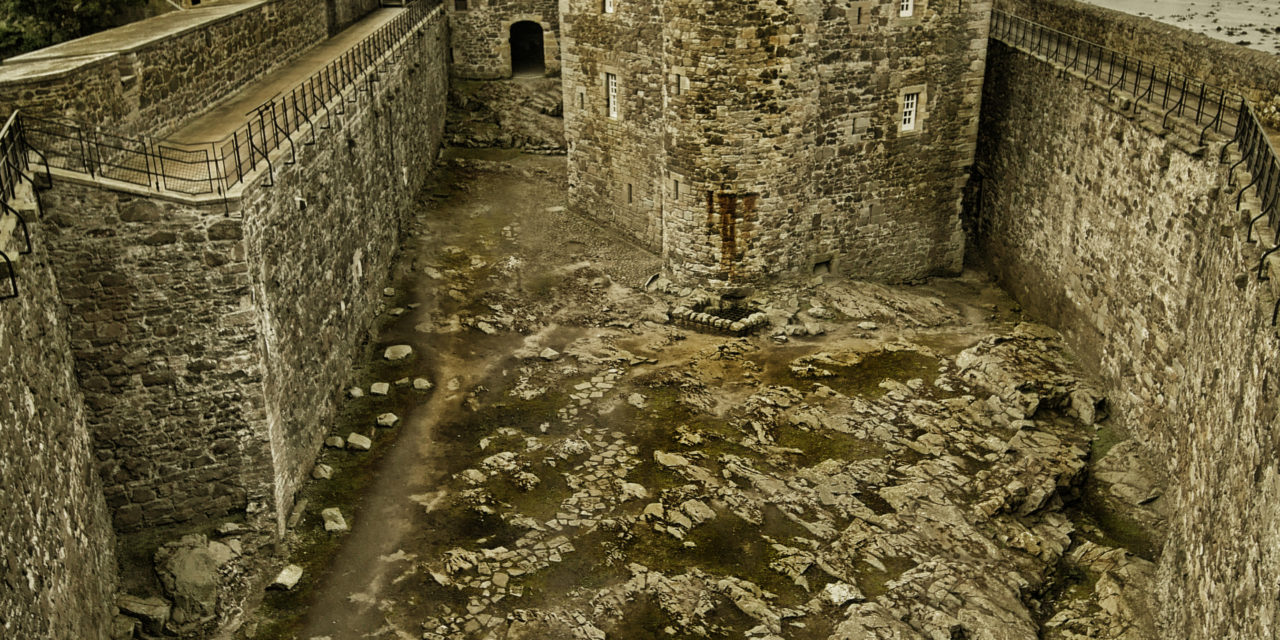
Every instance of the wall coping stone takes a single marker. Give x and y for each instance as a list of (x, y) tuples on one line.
[(62, 59)]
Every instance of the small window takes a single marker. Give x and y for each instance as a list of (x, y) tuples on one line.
[(910, 105), (906, 8), (582, 100), (630, 196), (608, 6), (675, 189), (611, 95), (459, 5)]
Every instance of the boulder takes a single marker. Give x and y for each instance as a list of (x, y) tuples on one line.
[(359, 442), (188, 572), (388, 420), (379, 388), (322, 472)]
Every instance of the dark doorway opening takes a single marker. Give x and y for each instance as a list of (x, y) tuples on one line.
[(526, 49)]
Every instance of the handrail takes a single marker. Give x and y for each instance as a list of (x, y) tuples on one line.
[(1173, 93), (1219, 110), (213, 168)]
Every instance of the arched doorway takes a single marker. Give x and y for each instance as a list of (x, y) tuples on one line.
[(526, 49)]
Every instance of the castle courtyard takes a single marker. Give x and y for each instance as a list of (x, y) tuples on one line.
[(639, 319), (583, 466)]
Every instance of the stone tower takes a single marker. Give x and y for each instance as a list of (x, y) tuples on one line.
[(751, 140)]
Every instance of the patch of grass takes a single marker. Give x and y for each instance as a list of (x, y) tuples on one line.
[(828, 444), (864, 377)]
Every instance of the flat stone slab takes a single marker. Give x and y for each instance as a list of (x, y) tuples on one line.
[(322, 472), (388, 420), (335, 442), (421, 384), (380, 388)]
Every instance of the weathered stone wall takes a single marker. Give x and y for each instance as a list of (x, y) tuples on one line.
[(165, 344), (57, 561), (1247, 71), (480, 35), (1134, 250), (608, 154), (885, 203), (764, 138), (211, 340), (134, 83), (321, 241), (348, 12)]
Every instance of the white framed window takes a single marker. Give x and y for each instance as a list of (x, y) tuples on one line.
[(608, 6), (910, 109), (906, 8), (611, 93)]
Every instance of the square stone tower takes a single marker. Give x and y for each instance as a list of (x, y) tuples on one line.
[(751, 140)]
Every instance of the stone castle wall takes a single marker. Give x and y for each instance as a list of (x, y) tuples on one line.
[(758, 139), (57, 560), (1253, 73), (348, 12), (480, 35), (211, 339), (321, 240), (165, 342), (615, 170), (151, 88), (1133, 248)]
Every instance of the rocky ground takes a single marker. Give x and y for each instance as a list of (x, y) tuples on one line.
[(550, 456)]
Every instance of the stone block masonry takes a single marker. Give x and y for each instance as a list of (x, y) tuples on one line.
[(321, 241), (166, 342), (211, 340), (57, 561), (751, 140), (1133, 248), (149, 77), (1246, 71), (345, 13), (480, 35)]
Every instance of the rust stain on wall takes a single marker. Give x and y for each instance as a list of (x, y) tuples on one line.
[(729, 218)]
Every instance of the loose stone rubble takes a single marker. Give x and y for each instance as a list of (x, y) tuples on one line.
[(871, 462)]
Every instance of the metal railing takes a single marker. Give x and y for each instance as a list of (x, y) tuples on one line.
[(1161, 88), (1174, 94), (15, 167), (213, 168)]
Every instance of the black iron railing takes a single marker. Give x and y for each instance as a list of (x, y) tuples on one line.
[(15, 168), (1160, 88), (213, 168), (1175, 95)]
